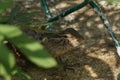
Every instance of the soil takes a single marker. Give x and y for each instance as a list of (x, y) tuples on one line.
[(96, 58)]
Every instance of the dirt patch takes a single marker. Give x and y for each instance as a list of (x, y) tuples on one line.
[(96, 58)]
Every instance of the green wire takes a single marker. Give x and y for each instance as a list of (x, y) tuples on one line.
[(105, 21), (48, 14)]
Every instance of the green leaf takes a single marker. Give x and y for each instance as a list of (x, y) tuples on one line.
[(33, 50), (19, 73), (4, 73), (7, 60), (118, 76), (6, 57), (4, 4)]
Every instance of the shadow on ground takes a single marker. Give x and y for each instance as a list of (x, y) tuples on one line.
[(96, 58)]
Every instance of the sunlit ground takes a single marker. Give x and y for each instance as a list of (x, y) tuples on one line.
[(96, 59)]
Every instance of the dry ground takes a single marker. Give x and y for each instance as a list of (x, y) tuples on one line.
[(96, 58)]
